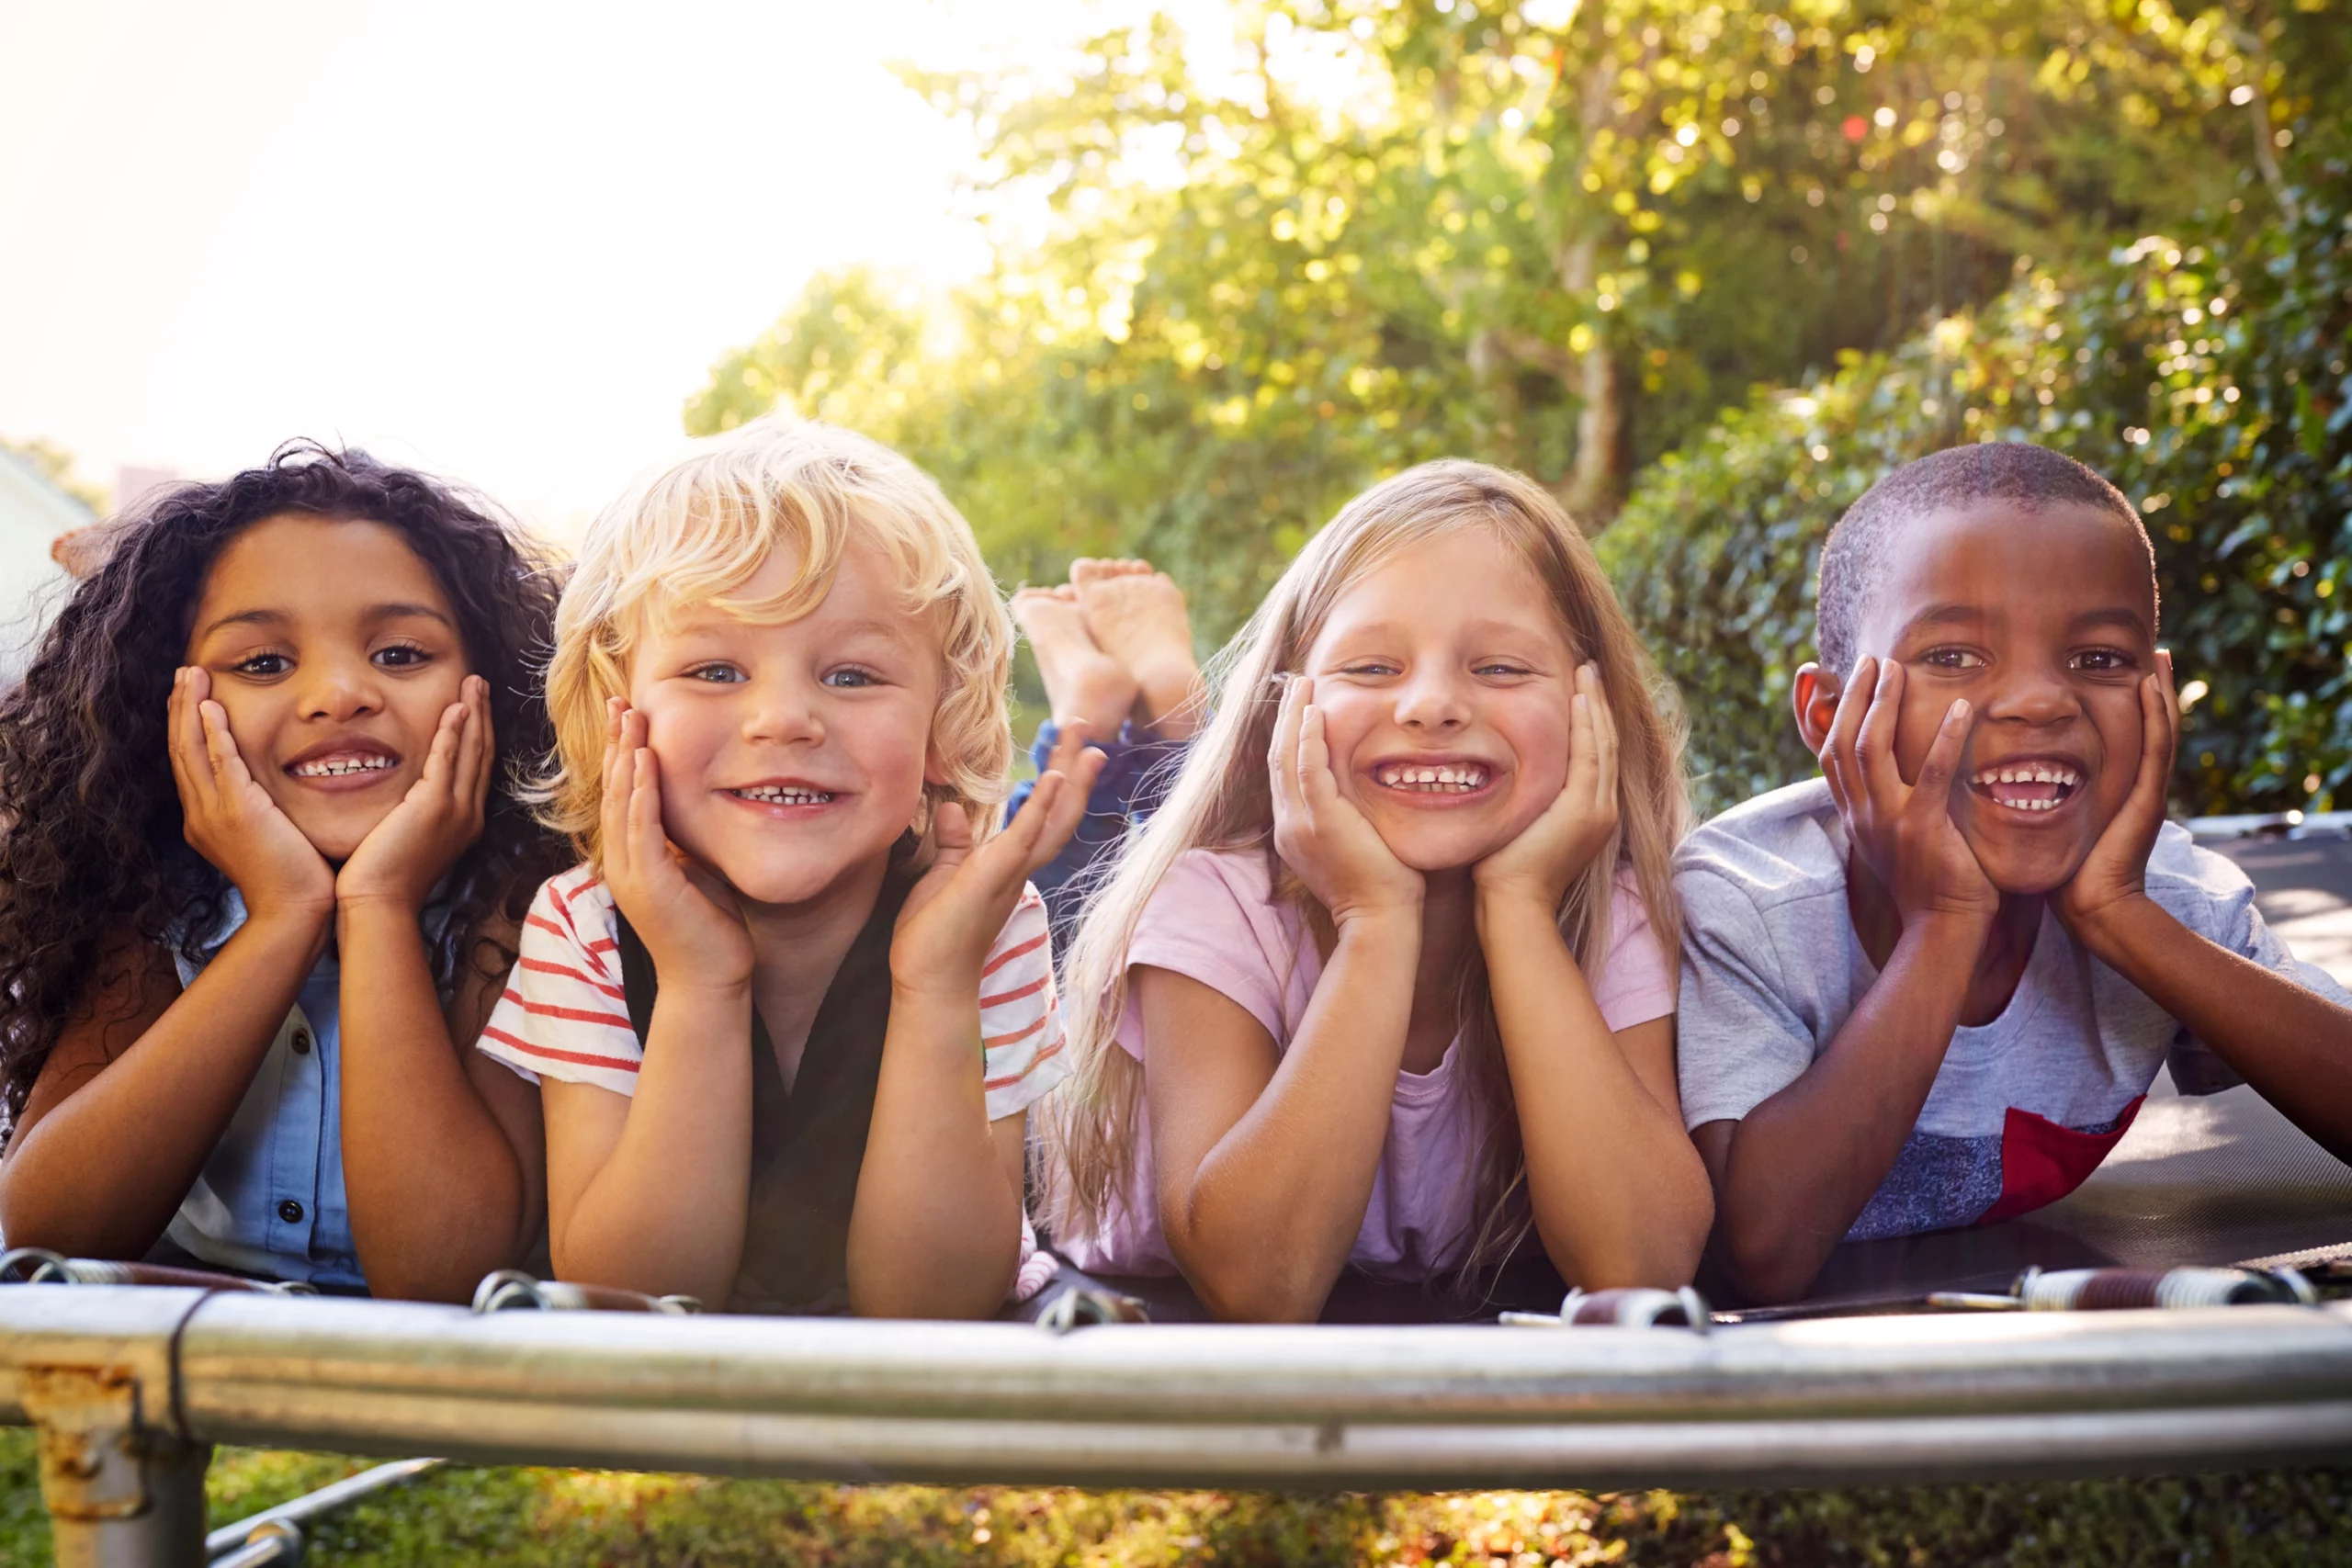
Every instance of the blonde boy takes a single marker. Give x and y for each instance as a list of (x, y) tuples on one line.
[(790, 1012)]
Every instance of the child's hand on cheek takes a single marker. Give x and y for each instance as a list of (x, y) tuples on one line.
[(2115, 872), (1905, 832), (952, 916), (439, 820), (231, 820), (1319, 833), (687, 918), (1551, 851)]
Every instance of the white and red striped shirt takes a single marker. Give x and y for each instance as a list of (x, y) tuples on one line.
[(564, 1015)]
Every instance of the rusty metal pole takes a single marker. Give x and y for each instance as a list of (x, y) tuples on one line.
[(123, 1483)]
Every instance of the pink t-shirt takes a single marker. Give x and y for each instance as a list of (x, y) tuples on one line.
[(1215, 919)]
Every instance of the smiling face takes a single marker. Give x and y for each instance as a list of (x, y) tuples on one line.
[(333, 650), (1445, 683), (792, 756), (2046, 621)]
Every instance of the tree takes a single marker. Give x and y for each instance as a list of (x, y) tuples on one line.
[(1562, 236)]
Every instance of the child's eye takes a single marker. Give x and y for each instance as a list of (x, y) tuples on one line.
[(718, 674), (401, 656), (1953, 659), (262, 666), (849, 676), (2104, 661), (1370, 668), (1500, 667)]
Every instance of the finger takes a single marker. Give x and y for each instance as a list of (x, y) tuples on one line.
[(951, 831), (2159, 713), (184, 735), (620, 789), (1837, 750), (647, 843), (1281, 757), (1874, 742), (441, 757), (2168, 703), (1605, 725), (1942, 765), (1068, 746), (1316, 785), (477, 745), (221, 747)]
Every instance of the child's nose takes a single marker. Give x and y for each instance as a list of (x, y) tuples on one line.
[(1431, 700), (783, 710), (340, 689), (2034, 697)]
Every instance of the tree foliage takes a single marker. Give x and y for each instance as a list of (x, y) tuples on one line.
[(1239, 277)]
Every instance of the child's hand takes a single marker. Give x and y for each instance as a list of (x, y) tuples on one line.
[(231, 820), (1555, 849), (2116, 871), (952, 916), (439, 820), (687, 918), (1319, 834), (1905, 832)]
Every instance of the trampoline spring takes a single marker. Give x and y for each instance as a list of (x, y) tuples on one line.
[(1628, 1306), (38, 1266), (511, 1290), (2111, 1290), (1079, 1307)]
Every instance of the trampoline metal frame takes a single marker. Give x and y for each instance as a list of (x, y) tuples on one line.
[(130, 1386)]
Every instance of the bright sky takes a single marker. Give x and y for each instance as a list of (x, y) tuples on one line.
[(503, 242)]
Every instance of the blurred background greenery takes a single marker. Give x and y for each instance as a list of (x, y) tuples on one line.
[(1707, 268)]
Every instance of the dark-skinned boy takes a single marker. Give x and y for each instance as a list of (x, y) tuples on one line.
[(1931, 988)]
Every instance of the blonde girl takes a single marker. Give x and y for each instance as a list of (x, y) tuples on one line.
[(788, 1015), (1388, 983)]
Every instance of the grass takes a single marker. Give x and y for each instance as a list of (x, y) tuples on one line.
[(552, 1516)]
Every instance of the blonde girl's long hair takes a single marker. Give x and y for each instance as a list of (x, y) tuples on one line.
[(1220, 801)]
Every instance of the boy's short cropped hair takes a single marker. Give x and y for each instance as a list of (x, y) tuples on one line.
[(2032, 478), (698, 530)]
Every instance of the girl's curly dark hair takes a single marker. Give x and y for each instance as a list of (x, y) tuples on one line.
[(90, 830)]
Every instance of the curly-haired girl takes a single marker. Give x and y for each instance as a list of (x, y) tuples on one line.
[(260, 879)]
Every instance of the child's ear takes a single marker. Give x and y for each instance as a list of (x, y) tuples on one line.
[(1815, 696), (934, 767)]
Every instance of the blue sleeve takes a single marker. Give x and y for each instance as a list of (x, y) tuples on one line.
[(1138, 771)]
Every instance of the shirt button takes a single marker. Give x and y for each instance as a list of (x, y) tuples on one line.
[(302, 1043), (290, 1211)]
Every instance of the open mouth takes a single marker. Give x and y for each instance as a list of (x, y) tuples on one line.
[(2027, 786), (1433, 778), (783, 794), (343, 765)]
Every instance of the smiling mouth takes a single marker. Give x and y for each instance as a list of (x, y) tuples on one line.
[(2027, 786), (1441, 778), (343, 764), (783, 794)]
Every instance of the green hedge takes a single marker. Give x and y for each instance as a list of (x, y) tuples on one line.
[(2233, 432)]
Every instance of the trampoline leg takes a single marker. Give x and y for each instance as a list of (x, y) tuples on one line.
[(120, 1493)]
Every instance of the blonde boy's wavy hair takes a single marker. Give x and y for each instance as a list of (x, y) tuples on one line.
[(1221, 801), (698, 530)]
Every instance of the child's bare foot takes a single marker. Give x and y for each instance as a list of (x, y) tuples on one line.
[(1082, 681), (1137, 618)]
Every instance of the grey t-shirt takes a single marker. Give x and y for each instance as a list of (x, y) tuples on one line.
[(2024, 1106)]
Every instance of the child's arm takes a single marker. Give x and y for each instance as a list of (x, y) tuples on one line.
[(935, 1229), (650, 1192), (2293, 1046), (441, 1146), (144, 1082), (1266, 1161), (1619, 1194), (1791, 1177)]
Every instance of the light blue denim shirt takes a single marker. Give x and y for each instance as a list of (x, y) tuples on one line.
[(270, 1200)]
